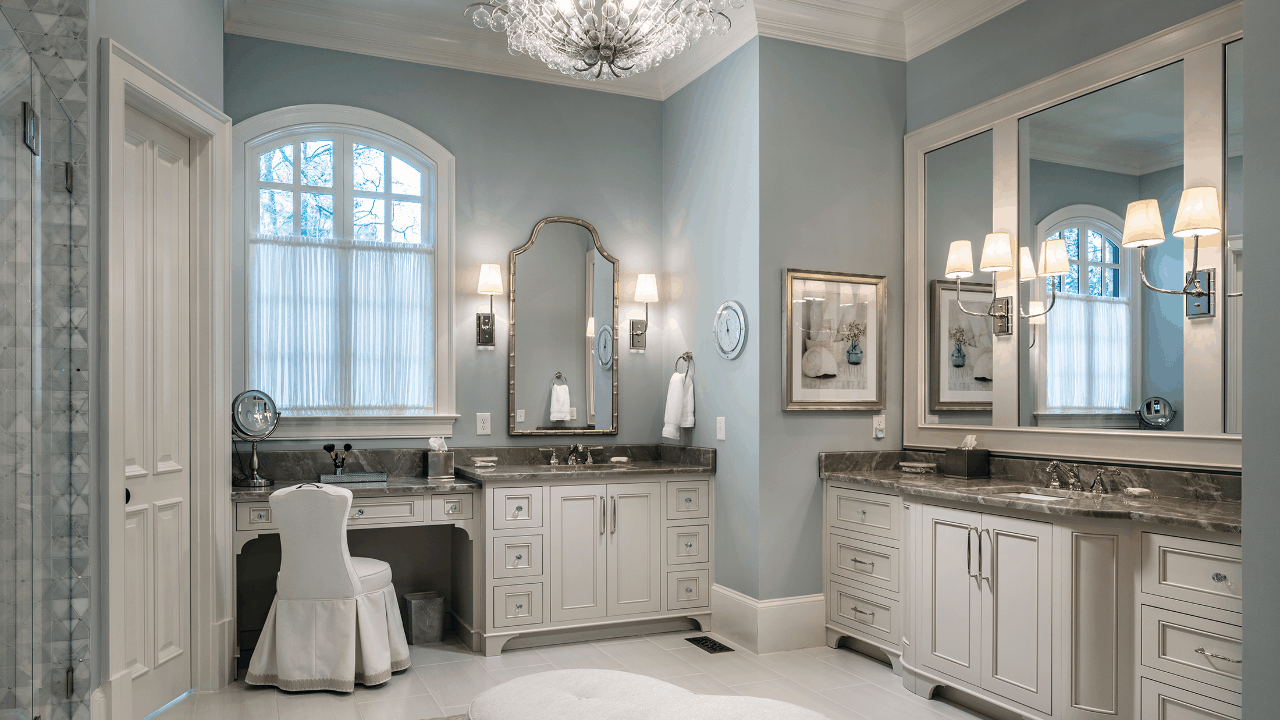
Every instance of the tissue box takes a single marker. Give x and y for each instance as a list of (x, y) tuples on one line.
[(966, 464), (439, 464)]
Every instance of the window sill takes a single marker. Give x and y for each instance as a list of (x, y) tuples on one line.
[(1095, 420), (352, 428)]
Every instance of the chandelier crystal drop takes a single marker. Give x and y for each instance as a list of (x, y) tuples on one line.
[(605, 40)]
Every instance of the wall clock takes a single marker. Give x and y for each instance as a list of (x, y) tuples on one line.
[(731, 329), (604, 346)]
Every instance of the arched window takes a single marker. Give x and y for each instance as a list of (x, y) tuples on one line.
[(1087, 362), (347, 266)]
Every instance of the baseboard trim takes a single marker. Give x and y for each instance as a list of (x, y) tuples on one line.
[(767, 626)]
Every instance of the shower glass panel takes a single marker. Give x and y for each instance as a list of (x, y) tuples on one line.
[(43, 551)]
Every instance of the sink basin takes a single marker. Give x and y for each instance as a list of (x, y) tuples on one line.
[(1031, 496)]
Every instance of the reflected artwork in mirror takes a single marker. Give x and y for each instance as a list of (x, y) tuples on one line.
[(563, 369), (1234, 275), (1107, 343), (958, 197)]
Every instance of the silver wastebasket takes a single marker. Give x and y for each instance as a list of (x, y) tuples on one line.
[(425, 615)]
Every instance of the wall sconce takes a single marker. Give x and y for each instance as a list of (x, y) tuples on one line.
[(1199, 214), (997, 256), (646, 292), (490, 284), (591, 326)]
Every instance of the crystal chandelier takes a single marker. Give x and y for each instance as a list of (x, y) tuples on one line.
[(612, 39)]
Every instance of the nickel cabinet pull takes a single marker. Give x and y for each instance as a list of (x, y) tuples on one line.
[(859, 561), (614, 528), (603, 519), (1206, 653), (968, 547), (991, 540), (860, 611)]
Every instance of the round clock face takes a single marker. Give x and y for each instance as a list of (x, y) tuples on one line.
[(731, 329), (604, 346)]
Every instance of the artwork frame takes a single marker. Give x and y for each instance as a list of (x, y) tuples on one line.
[(944, 320), (834, 358)]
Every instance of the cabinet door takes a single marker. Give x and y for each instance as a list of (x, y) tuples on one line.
[(1017, 609), (577, 552), (635, 548), (952, 597)]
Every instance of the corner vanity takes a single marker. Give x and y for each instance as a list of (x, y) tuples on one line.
[(1048, 603)]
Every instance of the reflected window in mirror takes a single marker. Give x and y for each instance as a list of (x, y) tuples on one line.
[(1234, 275), (1106, 344)]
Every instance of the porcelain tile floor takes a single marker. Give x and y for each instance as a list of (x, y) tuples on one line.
[(445, 677)]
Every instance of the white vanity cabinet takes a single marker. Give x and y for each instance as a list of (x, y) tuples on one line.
[(635, 549)]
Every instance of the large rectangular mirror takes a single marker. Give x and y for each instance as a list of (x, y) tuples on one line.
[(1107, 343), (1234, 274), (563, 369)]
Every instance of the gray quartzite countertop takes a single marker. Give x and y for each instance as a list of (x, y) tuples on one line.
[(1184, 512), (393, 486), (541, 473)]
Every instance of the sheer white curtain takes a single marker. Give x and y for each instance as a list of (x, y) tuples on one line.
[(342, 328), (1088, 355)]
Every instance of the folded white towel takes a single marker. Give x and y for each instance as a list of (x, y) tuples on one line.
[(679, 412), (559, 402), (686, 405)]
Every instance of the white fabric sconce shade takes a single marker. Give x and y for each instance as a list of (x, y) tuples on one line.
[(1142, 224), (1026, 268), (1053, 258), (959, 260), (591, 326), (1198, 213), (997, 253), (646, 288), (1035, 309), (490, 279)]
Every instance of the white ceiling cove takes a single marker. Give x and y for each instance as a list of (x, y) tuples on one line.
[(436, 32)]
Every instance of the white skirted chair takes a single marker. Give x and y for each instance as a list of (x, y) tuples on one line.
[(335, 621)]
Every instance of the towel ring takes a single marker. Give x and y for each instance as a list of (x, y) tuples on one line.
[(688, 361), (560, 376)]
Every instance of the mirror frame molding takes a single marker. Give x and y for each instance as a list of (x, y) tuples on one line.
[(511, 331), (1203, 443)]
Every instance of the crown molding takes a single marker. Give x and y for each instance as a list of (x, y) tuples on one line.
[(834, 24), (931, 23)]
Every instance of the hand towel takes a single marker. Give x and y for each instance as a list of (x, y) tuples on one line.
[(559, 402), (686, 405), (679, 412)]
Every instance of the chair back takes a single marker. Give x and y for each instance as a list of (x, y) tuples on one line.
[(314, 560)]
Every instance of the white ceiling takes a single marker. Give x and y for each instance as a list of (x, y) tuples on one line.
[(436, 32)]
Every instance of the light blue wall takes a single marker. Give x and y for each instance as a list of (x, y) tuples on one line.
[(525, 151), (830, 199), (181, 38), (1261, 346), (1163, 316), (1030, 41), (711, 224), (1055, 186)]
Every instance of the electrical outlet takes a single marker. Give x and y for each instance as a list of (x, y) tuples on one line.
[(573, 413), (719, 428), (931, 419), (877, 427), (519, 416), (482, 424)]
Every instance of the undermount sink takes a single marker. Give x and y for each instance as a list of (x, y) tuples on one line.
[(1031, 496)]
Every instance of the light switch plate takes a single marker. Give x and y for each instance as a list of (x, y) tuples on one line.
[(482, 424), (719, 428), (519, 416), (573, 413), (877, 427)]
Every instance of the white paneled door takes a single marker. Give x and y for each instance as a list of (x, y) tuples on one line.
[(635, 548), (578, 527), (157, 169), (953, 594)]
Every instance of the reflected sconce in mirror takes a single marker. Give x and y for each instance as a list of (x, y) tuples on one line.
[(1199, 214), (490, 284), (646, 292), (997, 256)]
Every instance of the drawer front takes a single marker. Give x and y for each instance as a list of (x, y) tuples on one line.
[(446, 508), (1198, 571), (863, 562), (688, 589), (1192, 647), (861, 611), (519, 556), (385, 510), (688, 499), (689, 544), (867, 512), (515, 605), (254, 516), (517, 507), (1164, 702)]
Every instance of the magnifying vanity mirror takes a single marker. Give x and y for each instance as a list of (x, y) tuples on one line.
[(253, 418), (563, 366)]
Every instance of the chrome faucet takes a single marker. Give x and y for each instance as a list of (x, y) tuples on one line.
[(1099, 486), (575, 451), (1055, 469)]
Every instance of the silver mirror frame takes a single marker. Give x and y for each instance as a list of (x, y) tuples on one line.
[(511, 331)]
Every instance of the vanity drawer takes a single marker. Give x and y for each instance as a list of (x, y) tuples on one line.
[(1164, 702), (1198, 571), (863, 612), (863, 562), (254, 516), (446, 508), (1181, 644), (386, 510), (688, 499), (688, 544), (688, 589), (517, 507), (867, 512), (517, 605), (518, 556)]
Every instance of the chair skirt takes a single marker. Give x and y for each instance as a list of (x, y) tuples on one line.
[(331, 644)]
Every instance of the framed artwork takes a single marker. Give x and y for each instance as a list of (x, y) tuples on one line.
[(960, 345), (834, 340)]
